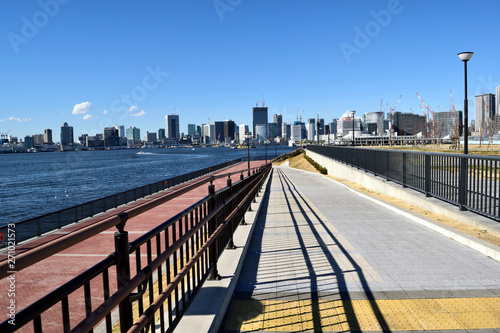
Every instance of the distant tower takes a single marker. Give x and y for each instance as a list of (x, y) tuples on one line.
[(172, 127), (66, 134), (259, 118), (47, 136)]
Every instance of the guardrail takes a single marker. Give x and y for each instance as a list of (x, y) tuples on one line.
[(39, 225), (180, 255), (469, 181)]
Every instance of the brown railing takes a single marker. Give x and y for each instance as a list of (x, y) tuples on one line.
[(180, 255)]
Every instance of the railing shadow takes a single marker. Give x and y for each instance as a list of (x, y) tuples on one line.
[(295, 197)]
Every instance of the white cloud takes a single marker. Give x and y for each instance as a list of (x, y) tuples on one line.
[(138, 114), (105, 112), (19, 120), (133, 108), (88, 117), (82, 108)]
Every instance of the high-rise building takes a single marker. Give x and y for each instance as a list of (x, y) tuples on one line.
[(311, 129), (260, 133), (278, 119), (172, 127), (47, 136), (121, 130), (447, 123), (66, 134), (409, 124), (209, 134), (259, 118), (38, 139), (497, 100), (150, 137), (285, 131), (297, 131), (273, 131), (229, 130), (243, 130), (321, 127), (28, 142), (191, 129), (219, 131), (485, 112), (133, 135), (161, 134), (111, 137)]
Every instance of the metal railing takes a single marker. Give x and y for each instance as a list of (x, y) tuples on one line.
[(470, 181), (180, 254), (39, 225)]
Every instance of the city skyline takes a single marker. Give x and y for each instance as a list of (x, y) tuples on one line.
[(218, 59)]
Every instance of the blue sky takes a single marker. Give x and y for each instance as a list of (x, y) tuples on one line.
[(131, 63)]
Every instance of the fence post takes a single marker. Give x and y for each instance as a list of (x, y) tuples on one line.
[(123, 272), (404, 170), (427, 175), (212, 224), (462, 184), (230, 245)]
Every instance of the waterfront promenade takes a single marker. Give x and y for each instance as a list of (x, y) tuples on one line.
[(324, 258), (41, 278)]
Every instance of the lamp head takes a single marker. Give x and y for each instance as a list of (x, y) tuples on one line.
[(465, 56)]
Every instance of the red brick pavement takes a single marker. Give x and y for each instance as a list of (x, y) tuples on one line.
[(41, 278)]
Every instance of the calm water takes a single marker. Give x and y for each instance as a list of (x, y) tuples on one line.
[(40, 183)]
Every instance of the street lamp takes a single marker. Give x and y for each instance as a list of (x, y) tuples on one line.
[(248, 150), (353, 112), (465, 56)]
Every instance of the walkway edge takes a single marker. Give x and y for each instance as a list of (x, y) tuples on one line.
[(461, 237), (209, 307)]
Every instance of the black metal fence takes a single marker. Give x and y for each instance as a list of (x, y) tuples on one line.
[(469, 181), (48, 222), (157, 275)]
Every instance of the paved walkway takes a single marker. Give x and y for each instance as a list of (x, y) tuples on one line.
[(323, 258)]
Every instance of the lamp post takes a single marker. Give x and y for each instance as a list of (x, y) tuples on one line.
[(248, 150), (465, 56), (265, 147), (353, 112)]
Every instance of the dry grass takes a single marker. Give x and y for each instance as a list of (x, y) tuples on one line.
[(300, 162)]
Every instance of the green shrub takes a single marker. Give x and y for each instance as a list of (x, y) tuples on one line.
[(318, 167)]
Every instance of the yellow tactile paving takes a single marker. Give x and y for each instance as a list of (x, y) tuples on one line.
[(338, 315)]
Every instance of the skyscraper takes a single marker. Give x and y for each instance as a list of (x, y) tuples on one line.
[(229, 130), (278, 119), (133, 135), (161, 134), (485, 111), (111, 137), (47, 136), (191, 129), (259, 118), (121, 130), (66, 134), (172, 127), (219, 131)]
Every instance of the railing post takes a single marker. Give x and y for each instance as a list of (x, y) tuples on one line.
[(404, 170), (123, 272), (427, 175), (230, 245), (241, 176), (462, 184), (212, 224)]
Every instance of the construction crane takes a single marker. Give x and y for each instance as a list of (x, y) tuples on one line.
[(393, 109)]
